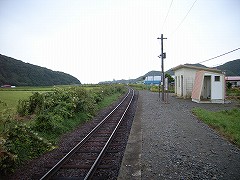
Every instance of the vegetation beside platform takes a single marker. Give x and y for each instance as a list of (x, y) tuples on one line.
[(233, 92), (226, 122), (34, 125)]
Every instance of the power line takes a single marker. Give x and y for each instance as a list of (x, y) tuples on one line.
[(184, 17), (167, 14), (219, 55)]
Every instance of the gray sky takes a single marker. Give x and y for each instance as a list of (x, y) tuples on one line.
[(99, 40)]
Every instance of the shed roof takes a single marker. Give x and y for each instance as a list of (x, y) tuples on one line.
[(232, 78), (197, 68)]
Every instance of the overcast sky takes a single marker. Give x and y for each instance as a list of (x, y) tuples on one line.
[(99, 40)]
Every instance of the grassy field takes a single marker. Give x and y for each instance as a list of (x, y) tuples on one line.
[(227, 122), (28, 88), (9, 97)]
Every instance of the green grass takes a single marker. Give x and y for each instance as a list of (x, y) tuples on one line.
[(138, 86), (108, 100), (8, 104), (46, 88), (9, 99), (66, 126), (226, 122), (29, 88)]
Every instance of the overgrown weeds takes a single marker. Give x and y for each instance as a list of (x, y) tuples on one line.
[(54, 113)]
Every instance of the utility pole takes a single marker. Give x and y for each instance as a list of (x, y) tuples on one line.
[(163, 56)]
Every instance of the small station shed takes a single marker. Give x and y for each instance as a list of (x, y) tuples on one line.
[(203, 85)]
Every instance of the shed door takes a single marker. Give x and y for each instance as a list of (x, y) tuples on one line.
[(206, 91), (217, 87)]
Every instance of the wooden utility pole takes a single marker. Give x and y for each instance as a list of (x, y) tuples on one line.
[(163, 56)]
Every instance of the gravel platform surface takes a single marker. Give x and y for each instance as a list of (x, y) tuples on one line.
[(176, 145)]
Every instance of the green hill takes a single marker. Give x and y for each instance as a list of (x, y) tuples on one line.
[(17, 73), (232, 68)]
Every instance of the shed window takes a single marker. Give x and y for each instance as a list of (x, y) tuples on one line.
[(217, 78)]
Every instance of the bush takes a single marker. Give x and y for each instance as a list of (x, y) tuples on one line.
[(7, 159), (66, 101), (229, 85), (33, 105), (154, 88), (98, 97), (60, 104), (43, 123), (233, 91), (23, 107), (21, 144)]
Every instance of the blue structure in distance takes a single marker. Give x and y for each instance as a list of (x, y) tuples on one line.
[(152, 80)]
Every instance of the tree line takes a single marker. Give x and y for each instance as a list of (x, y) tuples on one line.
[(17, 73)]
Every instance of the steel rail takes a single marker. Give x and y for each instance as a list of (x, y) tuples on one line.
[(58, 165), (97, 161)]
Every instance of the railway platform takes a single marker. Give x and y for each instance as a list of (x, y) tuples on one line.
[(168, 142)]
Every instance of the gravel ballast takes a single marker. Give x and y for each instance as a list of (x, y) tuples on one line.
[(177, 145)]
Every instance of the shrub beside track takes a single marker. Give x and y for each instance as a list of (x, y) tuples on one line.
[(47, 116)]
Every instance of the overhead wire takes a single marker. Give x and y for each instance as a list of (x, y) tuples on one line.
[(181, 24), (167, 15), (184, 18), (219, 55)]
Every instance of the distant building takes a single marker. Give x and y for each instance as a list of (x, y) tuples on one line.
[(152, 80), (203, 85), (234, 80), (6, 86)]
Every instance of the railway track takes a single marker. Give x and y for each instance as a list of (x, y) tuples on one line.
[(94, 156)]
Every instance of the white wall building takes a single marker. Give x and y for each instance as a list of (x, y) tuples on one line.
[(200, 84)]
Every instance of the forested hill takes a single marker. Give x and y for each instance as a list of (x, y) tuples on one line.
[(232, 68), (17, 73)]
